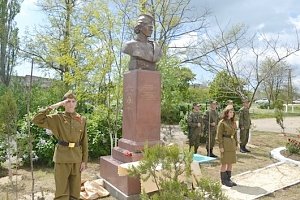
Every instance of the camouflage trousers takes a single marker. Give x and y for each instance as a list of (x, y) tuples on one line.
[(211, 139)]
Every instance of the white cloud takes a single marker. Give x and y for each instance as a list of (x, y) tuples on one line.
[(260, 26), (295, 21), (185, 40), (30, 2)]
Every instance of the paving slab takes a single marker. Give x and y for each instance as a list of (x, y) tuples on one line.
[(254, 184)]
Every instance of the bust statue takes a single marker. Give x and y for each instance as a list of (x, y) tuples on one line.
[(143, 53)]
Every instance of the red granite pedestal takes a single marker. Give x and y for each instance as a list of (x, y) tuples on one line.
[(141, 126)]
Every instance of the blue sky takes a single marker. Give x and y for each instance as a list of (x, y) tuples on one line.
[(271, 17)]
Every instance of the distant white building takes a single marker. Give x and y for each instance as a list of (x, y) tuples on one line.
[(25, 80)]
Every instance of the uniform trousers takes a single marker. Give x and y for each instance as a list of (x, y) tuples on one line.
[(67, 181), (211, 139), (244, 137)]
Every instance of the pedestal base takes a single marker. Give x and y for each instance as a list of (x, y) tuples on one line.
[(115, 192), (125, 184)]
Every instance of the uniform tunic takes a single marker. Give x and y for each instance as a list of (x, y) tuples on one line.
[(211, 116), (71, 128), (226, 134), (195, 131), (245, 123)]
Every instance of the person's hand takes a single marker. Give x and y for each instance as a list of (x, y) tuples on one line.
[(213, 124), (61, 103), (242, 128), (199, 124), (83, 166), (222, 150)]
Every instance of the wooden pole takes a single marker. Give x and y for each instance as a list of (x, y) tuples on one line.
[(29, 132)]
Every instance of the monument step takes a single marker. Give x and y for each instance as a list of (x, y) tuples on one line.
[(125, 156)]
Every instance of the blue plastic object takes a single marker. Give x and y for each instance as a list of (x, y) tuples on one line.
[(202, 159)]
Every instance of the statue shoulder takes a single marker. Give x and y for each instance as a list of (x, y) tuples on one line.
[(129, 46)]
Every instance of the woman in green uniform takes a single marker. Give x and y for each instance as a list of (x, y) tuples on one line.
[(226, 134)]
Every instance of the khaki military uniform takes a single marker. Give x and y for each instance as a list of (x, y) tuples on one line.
[(70, 130), (244, 125), (226, 134), (195, 131), (211, 116)]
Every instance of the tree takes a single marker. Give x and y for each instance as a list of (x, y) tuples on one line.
[(224, 87), (275, 78), (8, 125), (241, 56), (9, 41), (175, 89), (82, 42)]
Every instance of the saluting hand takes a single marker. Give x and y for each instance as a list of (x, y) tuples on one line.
[(61, 103)]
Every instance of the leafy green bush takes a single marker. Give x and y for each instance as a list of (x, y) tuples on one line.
[(100, 124), (183, 124), (266, 106), (293, 146), (43, 145), (171, 114), (173, 163)]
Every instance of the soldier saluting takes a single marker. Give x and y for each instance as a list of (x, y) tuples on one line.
[(71, 152)]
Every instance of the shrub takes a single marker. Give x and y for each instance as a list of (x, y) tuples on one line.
[(266, 106), (42, 144), (174, 164), (293, 146), (100, 124)]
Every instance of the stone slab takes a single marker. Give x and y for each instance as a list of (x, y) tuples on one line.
[(254, 184), (141, 106), (109, 172)]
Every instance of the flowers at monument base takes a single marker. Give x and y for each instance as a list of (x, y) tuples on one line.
[(294, 142), (127, 153)]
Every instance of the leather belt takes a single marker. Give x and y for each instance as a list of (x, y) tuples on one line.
[(228, 136), (69, 144)]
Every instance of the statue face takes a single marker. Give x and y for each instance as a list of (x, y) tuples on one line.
[(147, 29)]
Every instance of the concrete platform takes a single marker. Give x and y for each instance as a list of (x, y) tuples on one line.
[(258, 183)]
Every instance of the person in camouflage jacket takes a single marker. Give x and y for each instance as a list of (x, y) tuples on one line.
[(196, 126)]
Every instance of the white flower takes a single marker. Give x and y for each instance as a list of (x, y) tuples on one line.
[(49, 132)]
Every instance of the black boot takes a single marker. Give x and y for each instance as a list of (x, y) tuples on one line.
[(242, 149), (224, 179), (212, 154), (229, 178), (245, 149)]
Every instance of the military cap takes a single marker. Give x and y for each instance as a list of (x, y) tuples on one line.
[(70, 95), (196, 104), (228, 107), (213, 102)]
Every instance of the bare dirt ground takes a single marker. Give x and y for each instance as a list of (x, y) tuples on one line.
[(262, 142)]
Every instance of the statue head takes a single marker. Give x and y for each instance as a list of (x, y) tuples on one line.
[(144, 25)]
